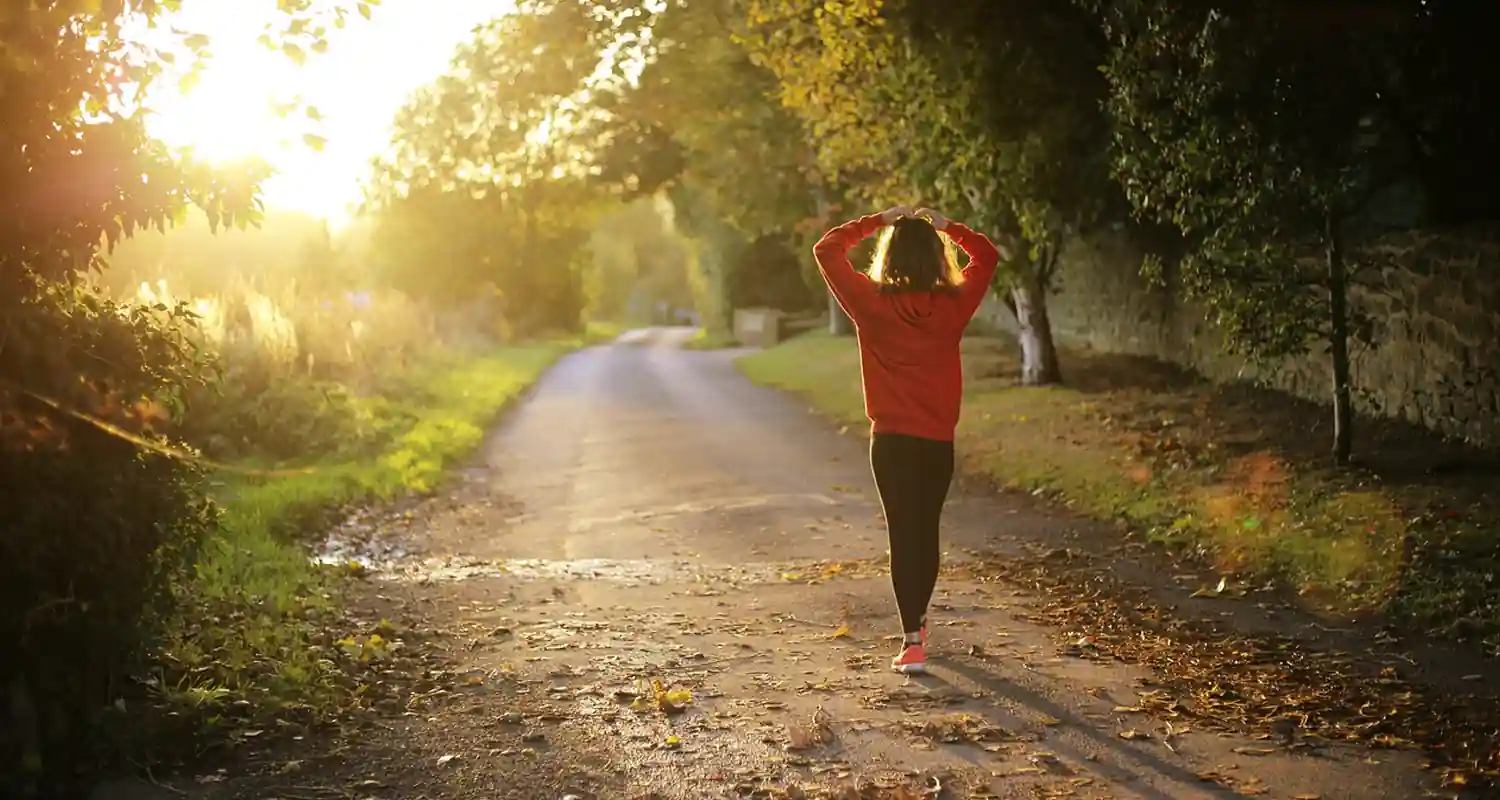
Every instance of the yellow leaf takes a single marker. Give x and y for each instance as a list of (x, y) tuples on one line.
[(841, 633), (188, 82)]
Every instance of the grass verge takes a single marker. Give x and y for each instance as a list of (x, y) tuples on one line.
[(263, 639), (1238, 476), (706, 339)]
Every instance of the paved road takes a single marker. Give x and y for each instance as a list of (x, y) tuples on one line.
[(647, 513)]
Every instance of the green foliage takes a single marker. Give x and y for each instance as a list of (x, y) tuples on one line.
[(701, 96), (638, 260), (489, 183), (1267, 135), (701, 122), (257, 643), (990, 115), (1248, 140), (102, 532)]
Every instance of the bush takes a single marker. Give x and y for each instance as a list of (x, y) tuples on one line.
[(298, 377), (101, 532)]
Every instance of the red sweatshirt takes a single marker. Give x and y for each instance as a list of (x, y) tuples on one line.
[(908, 341)]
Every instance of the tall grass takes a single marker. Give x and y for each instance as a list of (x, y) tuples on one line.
[(342, 399)]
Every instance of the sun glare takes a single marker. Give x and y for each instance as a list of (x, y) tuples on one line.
[(356, 88), (227, 117)]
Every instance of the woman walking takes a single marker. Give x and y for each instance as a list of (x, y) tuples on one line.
[(909, 312)]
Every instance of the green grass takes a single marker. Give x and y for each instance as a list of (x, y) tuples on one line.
[(706, 339), (254, 636), (1225, 473), (599, 331)]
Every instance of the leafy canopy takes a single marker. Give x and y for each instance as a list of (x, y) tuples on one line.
[(1257, 138), (991, 114)]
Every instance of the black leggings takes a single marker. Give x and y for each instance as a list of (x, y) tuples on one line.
[(912, 475)]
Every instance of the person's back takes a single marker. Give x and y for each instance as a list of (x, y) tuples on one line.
[(909, 314)]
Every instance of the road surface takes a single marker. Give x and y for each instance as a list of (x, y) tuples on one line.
[(648, 514)]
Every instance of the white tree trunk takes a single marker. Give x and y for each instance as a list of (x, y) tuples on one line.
[(1039, 363)]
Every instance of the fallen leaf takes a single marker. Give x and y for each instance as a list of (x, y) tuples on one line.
[(442, 760), (1134, 735), (841, 633)]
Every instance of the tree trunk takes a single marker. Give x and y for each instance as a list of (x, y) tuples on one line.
[(1338, 344), (839, 323), (1039, 363)]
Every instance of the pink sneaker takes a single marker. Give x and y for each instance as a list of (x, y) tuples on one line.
[(912, 661)]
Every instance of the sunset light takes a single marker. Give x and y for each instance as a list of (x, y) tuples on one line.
[(681, 399), (231, 110)]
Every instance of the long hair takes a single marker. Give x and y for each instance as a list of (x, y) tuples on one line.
[(912, 256)]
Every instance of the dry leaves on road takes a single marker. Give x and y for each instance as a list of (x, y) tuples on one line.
[(1282, 689)]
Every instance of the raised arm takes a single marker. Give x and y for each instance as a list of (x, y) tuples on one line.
[(984, 257), (850, 287)]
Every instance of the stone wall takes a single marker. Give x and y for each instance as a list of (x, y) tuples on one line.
[(757, 327), (1435, 301)]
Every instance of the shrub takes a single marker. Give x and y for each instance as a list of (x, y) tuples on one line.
[(100, 531)]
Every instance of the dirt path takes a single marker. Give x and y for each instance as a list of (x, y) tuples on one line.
[(648, 514)]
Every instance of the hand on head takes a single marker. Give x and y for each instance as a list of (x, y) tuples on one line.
[(938, 220), (894, 213), (890, 215)]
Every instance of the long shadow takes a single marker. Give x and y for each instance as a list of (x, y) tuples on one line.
[(1149, 763)]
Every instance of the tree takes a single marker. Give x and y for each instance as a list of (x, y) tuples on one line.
[(638, 262), (1263, 135), (491, 172), (100, 530), (702, 123), (991, 114)]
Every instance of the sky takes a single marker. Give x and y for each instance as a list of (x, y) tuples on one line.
[(369, 70)]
